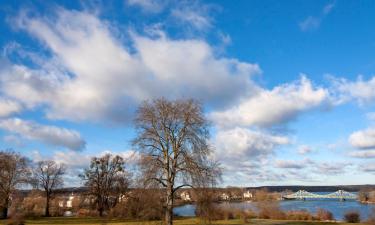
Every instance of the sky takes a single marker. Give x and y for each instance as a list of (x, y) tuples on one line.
[(288, 86)]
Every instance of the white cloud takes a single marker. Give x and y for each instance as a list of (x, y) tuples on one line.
[(328, 8), (91, 73), (313, 22), (192, 17), (370, 167), (244, 154), (362, 91), (290, 164), (365, 154), (76, 162), (8, 107), (47, 134), (194, 14), (153, 6), (363, 139), (269, 107), (332, 168), (245, 144), (304, 149), (371, 116), (310, 23)]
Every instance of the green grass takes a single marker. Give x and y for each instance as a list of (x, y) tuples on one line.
[(184, 221)]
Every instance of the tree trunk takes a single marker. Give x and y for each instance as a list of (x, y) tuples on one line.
[(47, 206), (5, 209), (169, 209), (5, 212)]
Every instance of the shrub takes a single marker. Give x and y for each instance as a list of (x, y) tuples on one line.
[(371, 219), (205, 207), (87, 213), (270, 210), (244, 215), (352, 217), (324, 215), (140, 204), (299, 215), (17, 219)]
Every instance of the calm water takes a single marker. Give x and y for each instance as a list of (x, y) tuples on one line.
[(337, 207)]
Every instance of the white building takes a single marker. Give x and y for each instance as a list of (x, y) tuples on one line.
[(185, 196), (247, 194), (224, 196), (69, 203)]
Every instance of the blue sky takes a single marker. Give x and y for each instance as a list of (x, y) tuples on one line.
[(289, 86)]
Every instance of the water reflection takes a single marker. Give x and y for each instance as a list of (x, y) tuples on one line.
[(338, 208)]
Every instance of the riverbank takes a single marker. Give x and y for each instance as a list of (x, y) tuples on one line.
[(181, 221), (367, 202)]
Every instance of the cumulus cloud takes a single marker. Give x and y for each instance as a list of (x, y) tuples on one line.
[(245, 144), (360, 90), (269, 107), (244, 153), (76, 162), (290, 164), (332, 168), (8, 107), (363, 139), (97, 73), (47, 134), (365, 154)]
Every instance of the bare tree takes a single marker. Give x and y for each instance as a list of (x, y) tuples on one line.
[(172, 137), (14, 171), (107, 180), (48, 175)]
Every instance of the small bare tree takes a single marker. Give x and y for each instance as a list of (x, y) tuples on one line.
[(14, 171), (48, 175), (107, 180), (173, 139)]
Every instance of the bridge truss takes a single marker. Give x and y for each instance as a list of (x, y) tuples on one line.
[(302, 194)]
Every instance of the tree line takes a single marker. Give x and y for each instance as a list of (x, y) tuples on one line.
[(174, 152)]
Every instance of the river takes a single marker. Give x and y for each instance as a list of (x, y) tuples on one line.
[(338, 208)]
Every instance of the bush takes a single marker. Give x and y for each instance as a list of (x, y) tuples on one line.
[(270, 210), (17, 219), (352, 217), (140, 204), (324, 215), (205, 207), (371, 219), (244, 215), (87, 213), (299, 215)]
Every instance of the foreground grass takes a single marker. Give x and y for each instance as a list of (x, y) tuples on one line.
[(183, 221)]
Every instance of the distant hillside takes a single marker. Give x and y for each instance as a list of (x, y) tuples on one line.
[(350, 188)]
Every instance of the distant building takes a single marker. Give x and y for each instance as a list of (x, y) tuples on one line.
[(225, 197), (185, 196), (67, 201), (247, 195)]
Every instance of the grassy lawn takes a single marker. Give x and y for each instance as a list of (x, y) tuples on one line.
[(185, 221)]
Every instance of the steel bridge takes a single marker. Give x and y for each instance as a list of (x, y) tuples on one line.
[(302, 194)]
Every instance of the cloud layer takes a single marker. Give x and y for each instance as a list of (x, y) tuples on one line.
[(91, 73), (47, 134), (269, 107)]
